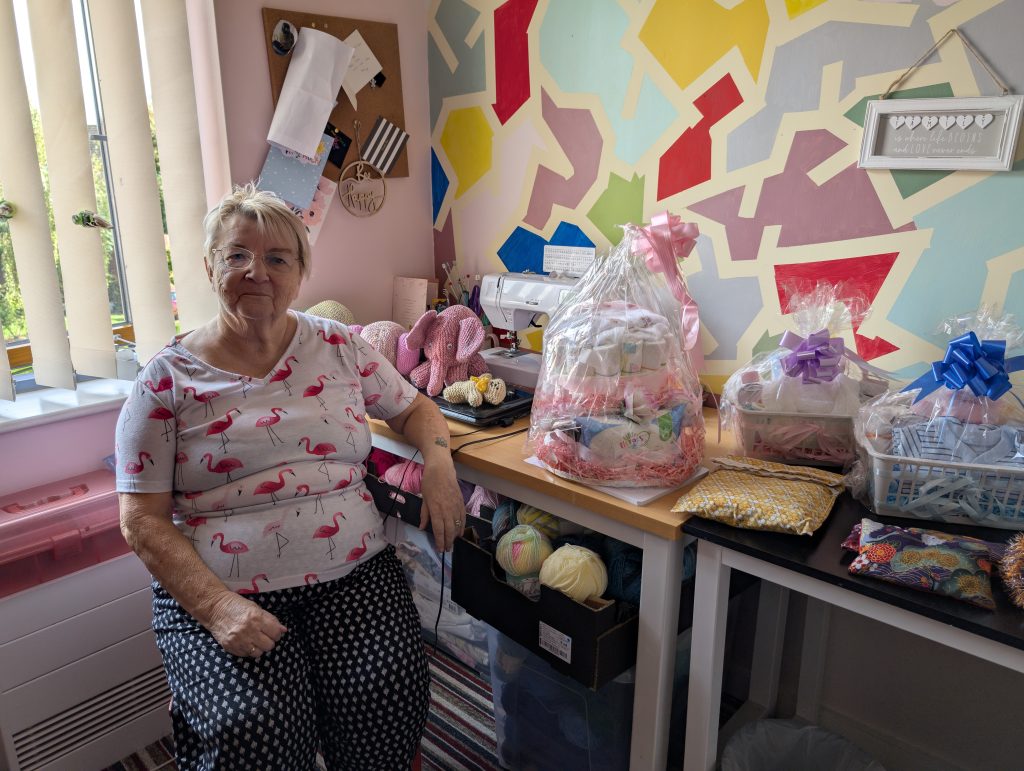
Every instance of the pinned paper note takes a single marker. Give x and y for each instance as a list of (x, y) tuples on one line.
[(292, 176), (384, 144), (409, 299), (313, 217), (363, 68), (310, 90)]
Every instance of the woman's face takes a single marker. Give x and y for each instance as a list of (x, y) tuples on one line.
[(255, 293)]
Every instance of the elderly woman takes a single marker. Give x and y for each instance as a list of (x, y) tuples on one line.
[(283, 617)]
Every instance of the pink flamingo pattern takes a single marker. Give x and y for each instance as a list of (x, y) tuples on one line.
[(317, 388), (358, 551), (371, 369), (254, 588), (274, 528), (336, 339), (281, 375), (220, 428), (164, 414), (205, 398), (166, 383), (180, 459), (304, 490), (310, 578), (356, 418), (346, 482), (133, 469), (195, 523), (234, 548), (322, 450), (270, 487), (328, 532), (269, 420), (224, 465), (242, 477)]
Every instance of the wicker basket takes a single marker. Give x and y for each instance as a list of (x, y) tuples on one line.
[(965, 493), (796, 437)]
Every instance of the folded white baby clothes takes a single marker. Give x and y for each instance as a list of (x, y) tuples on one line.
[(954, 441), (840, 396), (613, 438)]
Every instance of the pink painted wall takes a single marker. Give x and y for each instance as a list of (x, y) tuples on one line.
[(354, 259)]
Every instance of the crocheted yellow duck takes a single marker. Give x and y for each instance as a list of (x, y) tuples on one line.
[(476, 391)]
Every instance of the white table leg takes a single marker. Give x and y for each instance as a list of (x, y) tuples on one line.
[(813, 653), (772, 606), (655, 653), (706, 658)]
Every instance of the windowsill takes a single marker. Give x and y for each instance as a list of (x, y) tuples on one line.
[(49, 405)]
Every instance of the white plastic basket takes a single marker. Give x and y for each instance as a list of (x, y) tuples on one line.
[(965, 493), (796, 437)]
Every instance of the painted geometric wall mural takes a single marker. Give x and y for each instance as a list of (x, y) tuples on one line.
[(557, 121)]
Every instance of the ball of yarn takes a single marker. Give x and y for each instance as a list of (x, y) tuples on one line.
[(531, 515), (504, 517), (333, 310), (407, 475), (575, 571), (521, 552)]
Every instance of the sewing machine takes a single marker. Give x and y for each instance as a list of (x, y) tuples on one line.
[(511, 301)]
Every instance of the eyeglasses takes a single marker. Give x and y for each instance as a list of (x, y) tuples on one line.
[(240, 258)]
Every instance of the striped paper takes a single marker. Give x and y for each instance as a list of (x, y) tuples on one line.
[(384, 144)]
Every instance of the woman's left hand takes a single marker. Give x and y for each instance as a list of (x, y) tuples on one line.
[(443, 508)]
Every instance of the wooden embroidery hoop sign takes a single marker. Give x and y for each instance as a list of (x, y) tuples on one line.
[(361, 186)]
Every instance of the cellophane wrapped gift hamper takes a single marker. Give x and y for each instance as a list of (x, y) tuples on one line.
[(950, 445), (796, 404), (618, 402)]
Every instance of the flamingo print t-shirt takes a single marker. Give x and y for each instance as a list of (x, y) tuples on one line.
[(266, 474)]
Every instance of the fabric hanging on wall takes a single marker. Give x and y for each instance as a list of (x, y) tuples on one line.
[(29, 229), (181, 162), (133, 172), (62, 113)]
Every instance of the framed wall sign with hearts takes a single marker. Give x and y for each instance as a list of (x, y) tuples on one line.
[(974, 133)]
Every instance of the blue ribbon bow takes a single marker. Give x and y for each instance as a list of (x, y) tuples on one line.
[(980, 365)]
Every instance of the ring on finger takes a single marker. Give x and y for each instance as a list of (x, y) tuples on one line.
[(458, 523)]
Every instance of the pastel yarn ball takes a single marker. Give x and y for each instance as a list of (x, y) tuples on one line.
[(522, 551), (531, 515), (333, 310), (575, 571)]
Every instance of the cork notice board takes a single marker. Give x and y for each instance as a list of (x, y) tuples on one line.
[(385, 100)]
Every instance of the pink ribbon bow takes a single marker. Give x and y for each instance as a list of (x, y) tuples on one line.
[(670, 239)]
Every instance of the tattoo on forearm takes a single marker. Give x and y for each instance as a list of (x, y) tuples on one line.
[(440, 442)]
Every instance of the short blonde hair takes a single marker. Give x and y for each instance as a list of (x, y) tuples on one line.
[(270, 213)]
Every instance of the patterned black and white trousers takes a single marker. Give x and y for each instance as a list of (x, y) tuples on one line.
[(349, 679)]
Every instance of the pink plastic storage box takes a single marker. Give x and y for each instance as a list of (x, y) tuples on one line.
[(56, 529)]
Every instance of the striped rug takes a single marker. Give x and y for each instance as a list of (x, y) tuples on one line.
[(459, 734)]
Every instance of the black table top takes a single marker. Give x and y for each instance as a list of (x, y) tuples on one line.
[(820, 556)]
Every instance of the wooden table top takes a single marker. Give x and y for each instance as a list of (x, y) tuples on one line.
[(504, 456)]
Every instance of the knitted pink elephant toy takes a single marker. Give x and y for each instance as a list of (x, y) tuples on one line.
[(390, 340), (451, 340)]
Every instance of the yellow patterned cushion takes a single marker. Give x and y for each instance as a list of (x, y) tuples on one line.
[(760, 495)]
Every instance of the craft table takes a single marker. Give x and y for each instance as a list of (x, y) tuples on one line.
[(816, 566), (499, 465)]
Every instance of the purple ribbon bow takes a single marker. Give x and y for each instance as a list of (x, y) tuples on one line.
[(980, 365), (815, 359)]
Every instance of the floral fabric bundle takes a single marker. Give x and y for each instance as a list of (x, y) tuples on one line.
[(926, 560)]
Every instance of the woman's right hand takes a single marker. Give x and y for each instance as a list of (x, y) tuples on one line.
[(242, 627)]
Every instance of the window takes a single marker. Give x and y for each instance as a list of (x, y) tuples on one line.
[(94, 150)]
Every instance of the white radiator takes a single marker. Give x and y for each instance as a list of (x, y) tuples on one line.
[(81, 682)]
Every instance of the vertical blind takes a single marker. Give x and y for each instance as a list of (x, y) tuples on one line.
[(75, 336)]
